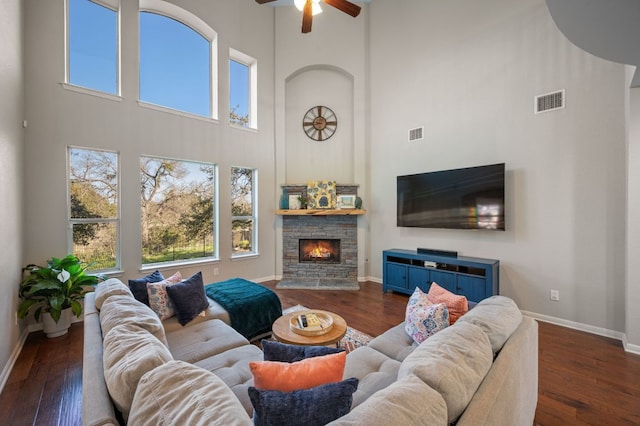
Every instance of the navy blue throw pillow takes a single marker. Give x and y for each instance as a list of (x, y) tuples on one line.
[(276, 351), (188, 298), (139, 286), (306, 407)]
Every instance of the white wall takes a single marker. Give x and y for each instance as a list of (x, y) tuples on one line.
[(59, 117), (11, 158), (468, 71), (633, 243)]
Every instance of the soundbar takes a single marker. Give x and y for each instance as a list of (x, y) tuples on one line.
[(436, 252)]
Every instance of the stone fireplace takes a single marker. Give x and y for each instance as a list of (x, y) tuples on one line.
[(320, 247)]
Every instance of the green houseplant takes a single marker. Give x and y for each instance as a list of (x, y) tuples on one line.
[(55, 291)]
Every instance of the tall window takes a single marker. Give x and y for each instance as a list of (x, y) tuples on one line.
[(92, 44), (176, 60), (94, 214), (242, 89), (244, 211), (178, 210)]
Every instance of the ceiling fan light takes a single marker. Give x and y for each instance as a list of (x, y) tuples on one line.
[(315, 6)]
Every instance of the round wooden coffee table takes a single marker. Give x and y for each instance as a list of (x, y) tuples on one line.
[(282, 331)]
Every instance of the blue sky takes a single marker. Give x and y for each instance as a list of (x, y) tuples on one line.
[(174, 60)]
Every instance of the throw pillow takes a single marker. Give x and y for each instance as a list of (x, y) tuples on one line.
[(307, 407), (305, 374), (283, 352), (159, 299), (456, 304), (188, 298), (423, 319), (139, 286)]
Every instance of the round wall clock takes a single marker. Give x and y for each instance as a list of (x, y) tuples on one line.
[(319, 123)]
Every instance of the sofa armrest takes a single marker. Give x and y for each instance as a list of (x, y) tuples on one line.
[(508, 394), (97, 408)]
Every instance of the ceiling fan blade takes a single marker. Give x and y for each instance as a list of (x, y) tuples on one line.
[(345, 6), (264, 1), (307, 16)]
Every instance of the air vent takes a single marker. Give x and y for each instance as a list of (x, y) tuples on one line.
[(549, 102), (416, 134)]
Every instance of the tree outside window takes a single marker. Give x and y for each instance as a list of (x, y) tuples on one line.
[(94, 215), (243, 211), (178, 210)]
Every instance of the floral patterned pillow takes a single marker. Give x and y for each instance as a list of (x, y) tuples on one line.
[(423, 319), (159, 300)]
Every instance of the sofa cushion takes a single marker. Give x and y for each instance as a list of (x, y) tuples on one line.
[(316, 406), (408, 401), (423, 318), (108, 288), (159, 299), (129, 352), (178, 393), (199, 341), (456, 304), (498, 316), (394, 343), (213, 311), (119, 309), (138, 286), (232, 366), (188, 298), (373, 369), (305, 374), (283, 352), (453, 362)]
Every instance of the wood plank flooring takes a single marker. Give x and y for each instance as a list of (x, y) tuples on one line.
[(584, 379)]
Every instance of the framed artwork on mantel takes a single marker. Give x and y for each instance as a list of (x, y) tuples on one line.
[(322, 194), (346, 202)]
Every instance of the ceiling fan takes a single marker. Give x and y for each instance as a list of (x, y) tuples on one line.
[(311, 7)]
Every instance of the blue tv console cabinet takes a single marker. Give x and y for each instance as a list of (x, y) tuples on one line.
[(473, 277)]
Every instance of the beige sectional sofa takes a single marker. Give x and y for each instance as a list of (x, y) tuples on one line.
[(480, 371)]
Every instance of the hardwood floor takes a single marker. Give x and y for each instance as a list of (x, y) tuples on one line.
[(583, 379)]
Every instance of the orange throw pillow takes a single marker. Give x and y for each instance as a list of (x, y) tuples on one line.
[(456, 304), (305, 374)]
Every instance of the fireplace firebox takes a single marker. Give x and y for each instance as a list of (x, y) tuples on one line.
[(319, 250)]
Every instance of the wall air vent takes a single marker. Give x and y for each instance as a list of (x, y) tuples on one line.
[(549, 102), (416, 134)]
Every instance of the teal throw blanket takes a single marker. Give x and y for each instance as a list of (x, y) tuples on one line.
[(252, 308)]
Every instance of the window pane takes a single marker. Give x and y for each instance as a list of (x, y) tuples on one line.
[(241, 192), (174, 65), (96, 243), (93, 184), (239, 93), (93, 41), (177, 210), (242, 234)]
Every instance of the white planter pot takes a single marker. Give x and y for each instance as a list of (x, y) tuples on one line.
[(55, 329)]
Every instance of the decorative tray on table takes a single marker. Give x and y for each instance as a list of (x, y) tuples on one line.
[(311, 323)]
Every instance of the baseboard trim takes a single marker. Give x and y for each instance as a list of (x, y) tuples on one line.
[(4, 376)]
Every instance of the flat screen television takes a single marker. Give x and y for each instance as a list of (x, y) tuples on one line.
[(468, 198)]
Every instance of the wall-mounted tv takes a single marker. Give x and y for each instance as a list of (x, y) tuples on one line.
[(469, 198)]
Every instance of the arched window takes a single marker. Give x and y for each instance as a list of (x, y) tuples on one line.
[(177, 59)]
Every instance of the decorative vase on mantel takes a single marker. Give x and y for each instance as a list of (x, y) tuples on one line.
[(56, 329), (284, 199)]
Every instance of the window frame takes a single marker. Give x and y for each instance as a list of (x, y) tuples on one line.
[(113, 5), (79, 221), (253, 217), (192, 21), (252, 64)]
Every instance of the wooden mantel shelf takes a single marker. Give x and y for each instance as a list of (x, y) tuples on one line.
[(321, 212)]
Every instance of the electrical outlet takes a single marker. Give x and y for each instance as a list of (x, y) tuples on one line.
[(554, 295), (215, 271)]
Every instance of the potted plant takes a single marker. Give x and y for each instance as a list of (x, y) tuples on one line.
[(55, 292)]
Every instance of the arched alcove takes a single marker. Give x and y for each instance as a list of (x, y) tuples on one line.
[(331, 159)]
